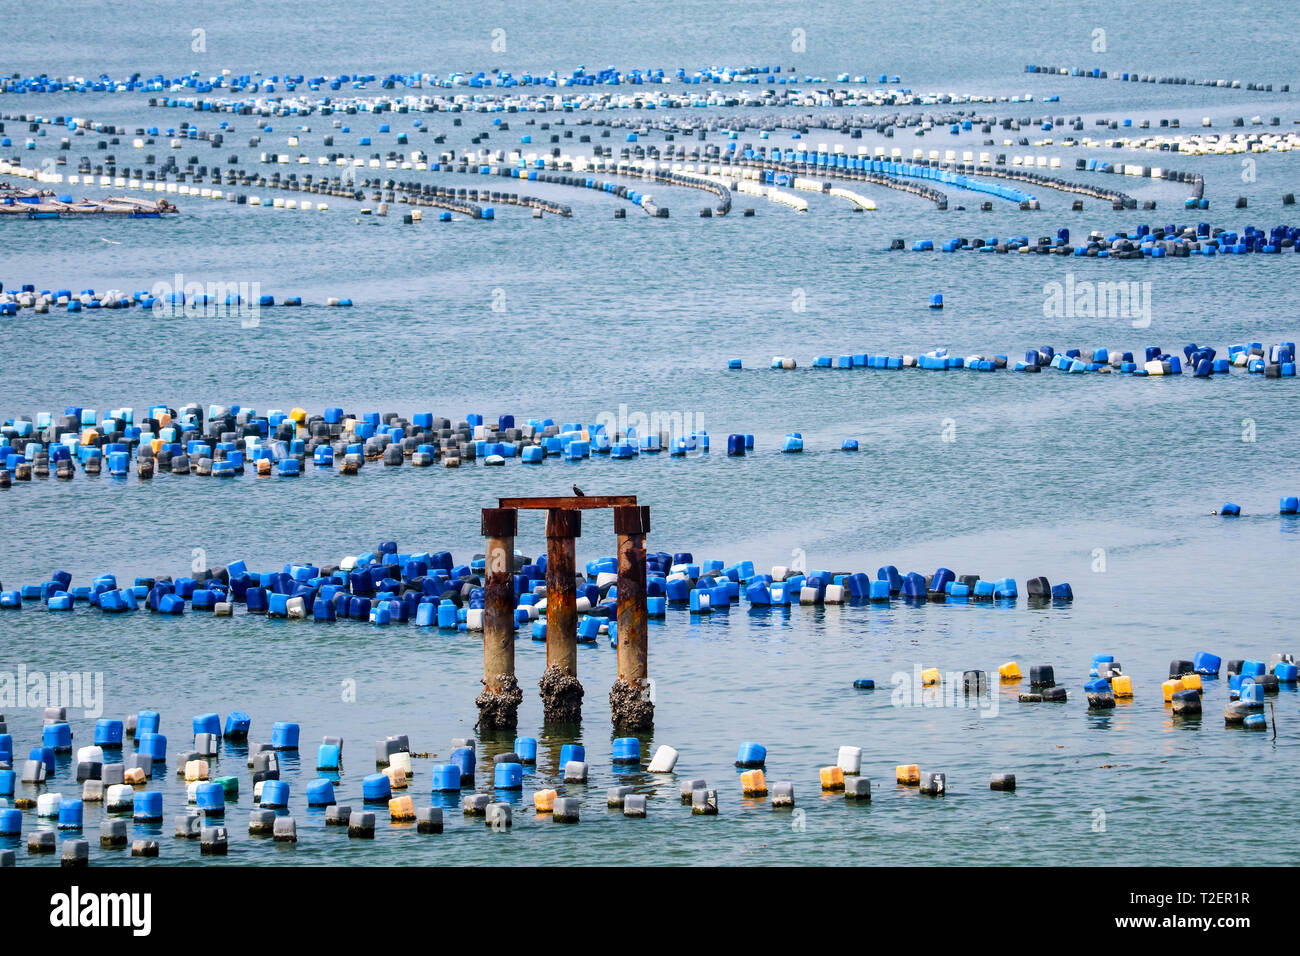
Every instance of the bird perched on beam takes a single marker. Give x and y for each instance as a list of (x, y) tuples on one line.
[(578, 491)]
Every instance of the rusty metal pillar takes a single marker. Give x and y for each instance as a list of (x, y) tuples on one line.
[(561, 691), (498, 705), (631, 702)]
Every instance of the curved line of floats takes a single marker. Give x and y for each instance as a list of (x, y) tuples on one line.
[(1118, 199), (801, 125), (771, 174), (833, 164), (421, 194), (847, 167), (617, 190), (465, 202), (417, 192), (449, 200), (985, 167), (686, 125), (267, 105), (717, 187), (893, 173), (1197, 144), (777, 172), (778, 165), (414, 193), (1197, 180), (961, 173), (464, 166), (826, 99), (955, 122)]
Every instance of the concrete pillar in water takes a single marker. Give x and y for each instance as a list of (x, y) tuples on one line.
[(631, 701), (561, 692), (498, 705)]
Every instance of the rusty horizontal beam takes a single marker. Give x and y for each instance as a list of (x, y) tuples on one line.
[(568, 503)]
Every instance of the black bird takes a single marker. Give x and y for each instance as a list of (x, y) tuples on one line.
[(578, 491)]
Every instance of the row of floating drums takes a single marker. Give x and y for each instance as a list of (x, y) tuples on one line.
[(1271, 361)]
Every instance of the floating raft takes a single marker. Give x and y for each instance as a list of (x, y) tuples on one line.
[(46, 204)]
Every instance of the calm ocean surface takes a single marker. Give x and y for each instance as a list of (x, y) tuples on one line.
[(1106, 482)]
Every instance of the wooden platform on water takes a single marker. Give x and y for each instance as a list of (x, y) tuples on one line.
[(46, 204)]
